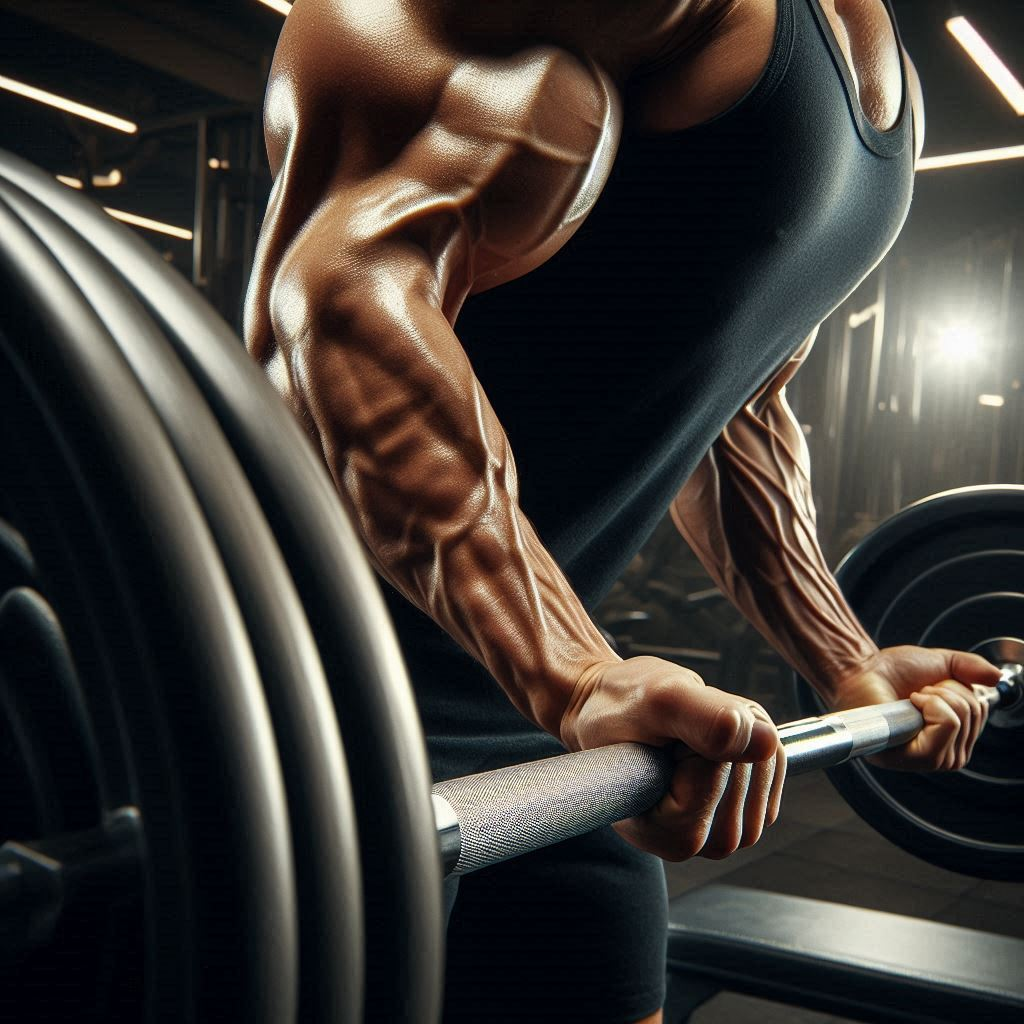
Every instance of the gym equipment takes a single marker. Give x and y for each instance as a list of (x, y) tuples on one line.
[(864, 964), (487, 818), (371, 695), (946, 572), (180, 597), (164, 705), (319, 799)]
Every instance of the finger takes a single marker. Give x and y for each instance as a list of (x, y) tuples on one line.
[(727, 826), (755, 810), (717, 725), (971, 721), (778, 781), (970, 669), (949, 727), (933, 745), (953, 694), (677, 827), (985, 711)]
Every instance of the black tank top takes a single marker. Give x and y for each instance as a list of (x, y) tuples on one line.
[(710, 255)]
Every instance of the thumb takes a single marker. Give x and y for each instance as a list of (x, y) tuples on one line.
[(723, 727), (971, 668)]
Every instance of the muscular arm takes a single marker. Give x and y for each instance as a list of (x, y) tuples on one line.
[(748, 513), (362, 307)]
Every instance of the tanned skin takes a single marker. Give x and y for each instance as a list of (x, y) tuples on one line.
[(424, 150)]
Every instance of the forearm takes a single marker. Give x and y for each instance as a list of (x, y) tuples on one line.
[(748, 513), (424, 465)]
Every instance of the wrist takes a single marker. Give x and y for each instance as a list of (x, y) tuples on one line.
[(830, 671), (550, 687)]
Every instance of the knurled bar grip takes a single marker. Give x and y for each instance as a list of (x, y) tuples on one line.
[(493, 816)]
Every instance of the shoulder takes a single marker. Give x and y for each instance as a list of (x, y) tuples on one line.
[(344, 65)]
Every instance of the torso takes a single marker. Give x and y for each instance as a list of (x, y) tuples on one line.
[(675, 62), (701, 263)]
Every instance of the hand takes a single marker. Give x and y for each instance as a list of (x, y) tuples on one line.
[(939, 682), (731, 765)]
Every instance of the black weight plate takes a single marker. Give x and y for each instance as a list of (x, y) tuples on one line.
[(16, 569), (376, 710), (49, 772), (44, 710), (945, 572), (320, 809), (124, 557)]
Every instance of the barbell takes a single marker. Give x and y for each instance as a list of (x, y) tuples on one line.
[(489, 817), (216, 796)]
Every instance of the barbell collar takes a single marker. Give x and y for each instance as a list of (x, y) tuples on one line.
[(1010, 686)]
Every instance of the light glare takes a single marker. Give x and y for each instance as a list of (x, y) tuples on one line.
[(959, 342), (110, 180), (977, 156), (30, 92), (281, 6), (150, 225), (985, 57), (995, 401)]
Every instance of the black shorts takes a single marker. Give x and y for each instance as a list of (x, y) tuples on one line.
[(575, 932)]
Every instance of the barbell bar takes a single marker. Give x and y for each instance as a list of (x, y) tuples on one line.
[(492, 816)]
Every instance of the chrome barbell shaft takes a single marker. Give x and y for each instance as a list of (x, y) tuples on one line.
[(493, 816)]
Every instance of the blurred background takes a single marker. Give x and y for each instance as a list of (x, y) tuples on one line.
[(914, 386)]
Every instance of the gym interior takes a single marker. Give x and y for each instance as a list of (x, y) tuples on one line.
[(140, 493)]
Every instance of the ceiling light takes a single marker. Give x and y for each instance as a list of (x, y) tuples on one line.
[(133, 218), (995, 401), (70, 106), (984, 56), (281, 6), (150, 225), (111, 180), (959, 342), (977, 156)]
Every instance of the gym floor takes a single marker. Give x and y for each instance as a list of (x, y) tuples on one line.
[(819, 848)]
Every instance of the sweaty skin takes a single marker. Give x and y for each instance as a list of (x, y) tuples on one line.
[(423, 151)]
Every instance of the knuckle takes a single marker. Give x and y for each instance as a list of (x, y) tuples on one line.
[(726, 728)]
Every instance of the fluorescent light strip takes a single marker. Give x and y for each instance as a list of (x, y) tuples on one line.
[(977, 156), (150, 225), (133, 218), (281, 6), (111, 180), (70, 106), (985, 57)]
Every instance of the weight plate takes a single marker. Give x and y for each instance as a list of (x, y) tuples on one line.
[(321, 814), (125, 559), (376, 709), (945, 572)]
